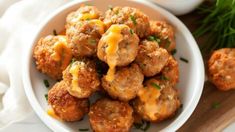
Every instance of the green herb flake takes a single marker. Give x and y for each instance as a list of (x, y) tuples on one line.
[(92, 41), (72, 61), (88, 4), (168, 43), (110, 7), (162, 77), (183, 59), (46, 97), (83, 129), (157, 39), (131, 31), (154, 38), (144, 125), (215, 105), (151, 38), (133, 19), (46, 83), (54, 32), (155, 85), (174, 51), (117, 12)]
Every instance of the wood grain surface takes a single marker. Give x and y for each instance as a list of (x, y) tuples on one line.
[(216, 109)]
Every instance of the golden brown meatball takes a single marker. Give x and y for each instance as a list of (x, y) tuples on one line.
[(127, 82), (84, 36), (132, 17), (65, 106), (151, 58), (221, 67), (110, 116), (118, 44), (83, 13), (82, 78), (157, 101), (171, 71), (163, 33), (52, 55)]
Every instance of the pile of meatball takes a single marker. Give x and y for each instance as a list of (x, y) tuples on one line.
[(144, 81)]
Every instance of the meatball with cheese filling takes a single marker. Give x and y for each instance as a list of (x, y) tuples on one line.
[(118, 47), (52, 55), (125, 84), (157, 101), (151, 58), (83, 13), (82, 78), (221, 68), (163, 33), (66, 106), (132, 17), (84, 36), (110, 116)]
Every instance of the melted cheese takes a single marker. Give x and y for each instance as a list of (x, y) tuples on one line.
[(62, 53), (87, 16), (99, 24), (51, 113), (74, 71), (150, 96), (112, 39)]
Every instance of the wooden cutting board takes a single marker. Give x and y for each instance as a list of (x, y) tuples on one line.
[(216, 109)]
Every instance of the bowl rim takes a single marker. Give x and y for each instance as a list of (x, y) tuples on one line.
[(176, 124)]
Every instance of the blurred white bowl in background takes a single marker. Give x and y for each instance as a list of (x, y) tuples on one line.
[(179, 7)]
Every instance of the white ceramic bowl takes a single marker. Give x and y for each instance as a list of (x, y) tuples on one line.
[(179, 7), (191, 74)]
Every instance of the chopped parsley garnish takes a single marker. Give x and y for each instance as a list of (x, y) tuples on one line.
[(83, 129), (174, 51), (183, 59), (144, 125), (151, 38), (215, 105), (92, 41), (162, 77), (155, 85), (133, 19), (46, 96), (72, 61), (154, 38), (117, 12), (110, 7), (54, 32), (88, 19), (168, 43), (88, 4), (46, 83), (131, 31)]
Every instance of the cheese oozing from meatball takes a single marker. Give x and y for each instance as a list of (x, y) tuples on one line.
[(62, 53), (99, 24), (87, 16), (112, 39), (74, 72)]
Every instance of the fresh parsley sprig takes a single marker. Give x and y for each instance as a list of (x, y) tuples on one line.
[(219, 24)]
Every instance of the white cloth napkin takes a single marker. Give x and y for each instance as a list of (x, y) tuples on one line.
[(17, 27)]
